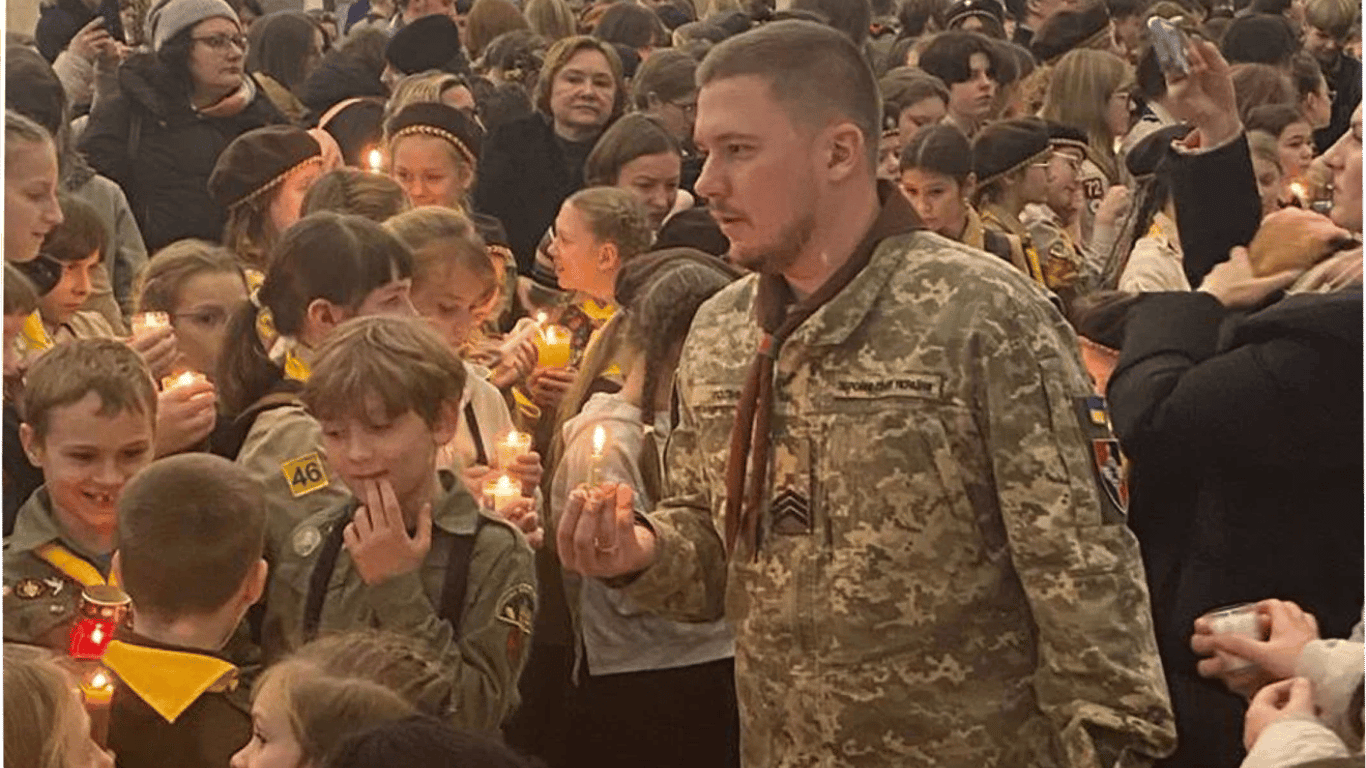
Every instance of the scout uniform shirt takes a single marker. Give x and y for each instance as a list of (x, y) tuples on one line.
[(943, 575), (484, 658), (175, 706), (45, 573)]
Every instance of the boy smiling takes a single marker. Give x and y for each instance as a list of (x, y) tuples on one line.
[(89, 411)]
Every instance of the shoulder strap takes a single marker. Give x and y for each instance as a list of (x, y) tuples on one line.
[(480, 455), (322, 572), (458, 579)]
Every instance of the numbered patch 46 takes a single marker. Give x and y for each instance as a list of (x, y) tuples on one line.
[(304, 474)]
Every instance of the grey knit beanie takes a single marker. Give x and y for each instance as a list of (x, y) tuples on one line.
[(168, 17)]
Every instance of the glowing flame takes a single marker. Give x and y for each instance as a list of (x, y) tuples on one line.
[(100, 680), (599, 440), (376, 161), (517, 439), (97, 635), (541, 317), (506, 486)]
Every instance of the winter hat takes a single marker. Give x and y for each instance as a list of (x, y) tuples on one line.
[(1068, 30), (431, 42), (169, 17), (1003, 147), (443, 122), (1259, 39), (260, 160)]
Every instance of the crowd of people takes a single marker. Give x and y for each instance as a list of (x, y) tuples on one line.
[(513, 383)]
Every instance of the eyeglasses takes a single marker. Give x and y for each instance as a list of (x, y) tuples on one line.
[(222, 42)]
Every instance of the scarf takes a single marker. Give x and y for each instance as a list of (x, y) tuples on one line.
[(232, 104), (779, 316)]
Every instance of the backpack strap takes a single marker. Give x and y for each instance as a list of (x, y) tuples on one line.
[(458, 578), (480, 455), (322, 571)]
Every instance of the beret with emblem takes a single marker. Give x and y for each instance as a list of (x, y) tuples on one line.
[(441, 121), (989, 11), (1067, 30), (1007, 145), (1148, 155), (258, 161), (431, 42)]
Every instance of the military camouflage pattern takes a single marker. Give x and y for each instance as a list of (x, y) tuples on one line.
[(941, 579), (500, 601)]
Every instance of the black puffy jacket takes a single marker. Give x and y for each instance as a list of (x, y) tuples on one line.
[(161, 152)]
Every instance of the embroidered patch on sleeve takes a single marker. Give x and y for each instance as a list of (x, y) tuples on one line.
[(304, 474)]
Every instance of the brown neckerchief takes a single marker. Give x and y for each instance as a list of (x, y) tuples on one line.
[(778, 317)]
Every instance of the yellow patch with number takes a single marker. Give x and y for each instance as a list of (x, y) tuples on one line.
[(304, 474)]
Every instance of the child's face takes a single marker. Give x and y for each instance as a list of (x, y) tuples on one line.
[(369, 447), (449, 302), (203, 306), (393, 299), (86, 458), (70, 293), (273, 743)]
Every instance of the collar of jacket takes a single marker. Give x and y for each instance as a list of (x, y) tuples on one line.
[(993, 215), (856, 283), (142, 80), (35, 525), (974, 234)]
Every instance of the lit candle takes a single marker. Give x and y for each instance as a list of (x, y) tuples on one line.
[(501, 493), (599, 445), (510, 448), (183, 380), (98, 687), (1301, 193), (553, 344), (102, 608), (149, 321), (375, 160)]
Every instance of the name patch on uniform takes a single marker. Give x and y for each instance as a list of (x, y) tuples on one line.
[(926, 385), (304, 474)]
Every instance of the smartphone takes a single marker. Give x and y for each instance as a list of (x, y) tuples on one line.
[(1169, 44), (113, 22)]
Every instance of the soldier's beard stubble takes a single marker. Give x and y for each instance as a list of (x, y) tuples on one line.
[(788, 246)]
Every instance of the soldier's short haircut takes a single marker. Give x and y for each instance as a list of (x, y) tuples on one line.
[(191, 528), (816, 72), (399, 361), (70, 371)]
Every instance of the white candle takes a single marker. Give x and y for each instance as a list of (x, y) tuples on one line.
[(376, 161), (511, 447), (599, 445), (501, 493), (183, 380)]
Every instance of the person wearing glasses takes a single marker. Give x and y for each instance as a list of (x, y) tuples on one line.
[(176, 109)]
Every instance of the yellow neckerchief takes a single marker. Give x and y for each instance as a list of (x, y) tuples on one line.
[(600, 313), (73, 566), (296, 368), (169, 681), (34, 334)]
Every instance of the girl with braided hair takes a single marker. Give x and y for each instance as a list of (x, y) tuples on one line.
[(643, 681)]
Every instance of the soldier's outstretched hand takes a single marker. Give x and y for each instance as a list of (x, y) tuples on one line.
[(598, 535)]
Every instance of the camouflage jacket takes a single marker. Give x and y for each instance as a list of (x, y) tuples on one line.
[(945, 576), (487, 656)]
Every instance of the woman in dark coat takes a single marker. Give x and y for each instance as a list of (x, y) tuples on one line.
[(176, 109), (1244, 417), (531, 165)]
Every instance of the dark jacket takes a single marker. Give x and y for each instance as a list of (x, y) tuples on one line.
[(1259, 419), (58, 23), (1217, 204), (525, 173), (1344, 80), (338, 77), (161, 152), (208, 733)]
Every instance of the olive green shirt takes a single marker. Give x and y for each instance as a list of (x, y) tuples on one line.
[(40, 601), (487, 657)]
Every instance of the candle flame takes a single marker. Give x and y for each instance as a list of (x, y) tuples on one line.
[(506, 486), (97, 635), (599, 440), (541, 317), (516, 438), (99, 680), (376, 160)]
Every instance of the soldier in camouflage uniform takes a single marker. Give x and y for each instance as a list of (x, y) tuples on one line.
[(939, 572)]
